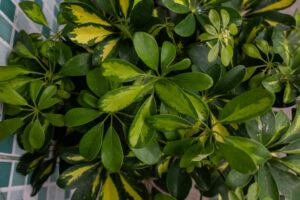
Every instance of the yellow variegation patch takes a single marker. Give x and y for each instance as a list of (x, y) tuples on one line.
[(130, 190), (96, 183), (275, 6), (219, 130), (82, 16), (75, 158), (164, 166), (136, 2), (47, 171), (109, 190), (89, 34), (108, 48), (181, 2), (119, 99), (124, 6)]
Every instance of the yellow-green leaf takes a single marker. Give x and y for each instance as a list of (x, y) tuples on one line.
[(199, 105), (34, 12), (37, 135), (10, 96), (278, 5), (81, 14), (119, 99), (129, 189), (109, 190), (9, 72), (9, 126), (140, 134), (121, 70), (105, 49), (88, 34), (73, 176)]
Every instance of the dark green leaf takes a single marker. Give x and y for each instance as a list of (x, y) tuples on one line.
[(55, 119), (268, 187), (74, 117), (10, 96), (168, 54), (167, 122), (196, 81), (186, 27), (150, 154), (78, 65)]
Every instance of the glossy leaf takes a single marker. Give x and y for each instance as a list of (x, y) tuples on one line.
[(174, 97), (105, 49), (150, 154), (34, 12), (96, 82), (247, 106), (268, 187), (78, 65), (120, 70), (109, 190), (181, 65), (140, 134), (91, 142), (11, 72), (119, 99), (55, 119), (178, 182), (37, 135), (168, 54), (112, 151), (167, 122), (177, 6), (196, 81), (9, 127), (74, 116), (147, 49), (186, 27)]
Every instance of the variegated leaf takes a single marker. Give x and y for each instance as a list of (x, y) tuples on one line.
[(109, 190)]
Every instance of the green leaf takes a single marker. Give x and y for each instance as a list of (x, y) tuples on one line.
[(177, 6), (258, 152), (91, 142), (23, 51), (186, 27), (130, 190), (187, 160), (233, 30), (238, 159), (12, 71), (78, 65), (163, 197), (74, 116), (105, 49), (199, 105), (214, 52), (9, 127), (207, 36), (121, 70), (140, 134), (290, 94), (246, 106), (263, 45), (147, 49), (112, 152), (96, 82), (168, 54), (87, 35), (292, 148), (120, 98), (292, 162), (90, 99), (46, 95), (236, 179), (55, 119), (34, 12), (37, 135), (268, 187), (225, 17), (277, 5), (196, 81), (10, 96), (294, 130), (253, 191), (141, 13), (179, 182), (214, 18), (80, 13), (181, 65), (174, 97), (232, 196), (150, 154), (25, 138), (230, 79), (35, 88), (251, 51), (167, 122), (272, 83), (210, 29), (287, 183), (177, 147), (225, 55), (76, 175)]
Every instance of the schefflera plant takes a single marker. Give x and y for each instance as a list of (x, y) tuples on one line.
[(221, 32)]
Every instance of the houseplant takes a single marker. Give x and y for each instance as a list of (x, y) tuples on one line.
[(134, 99)]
